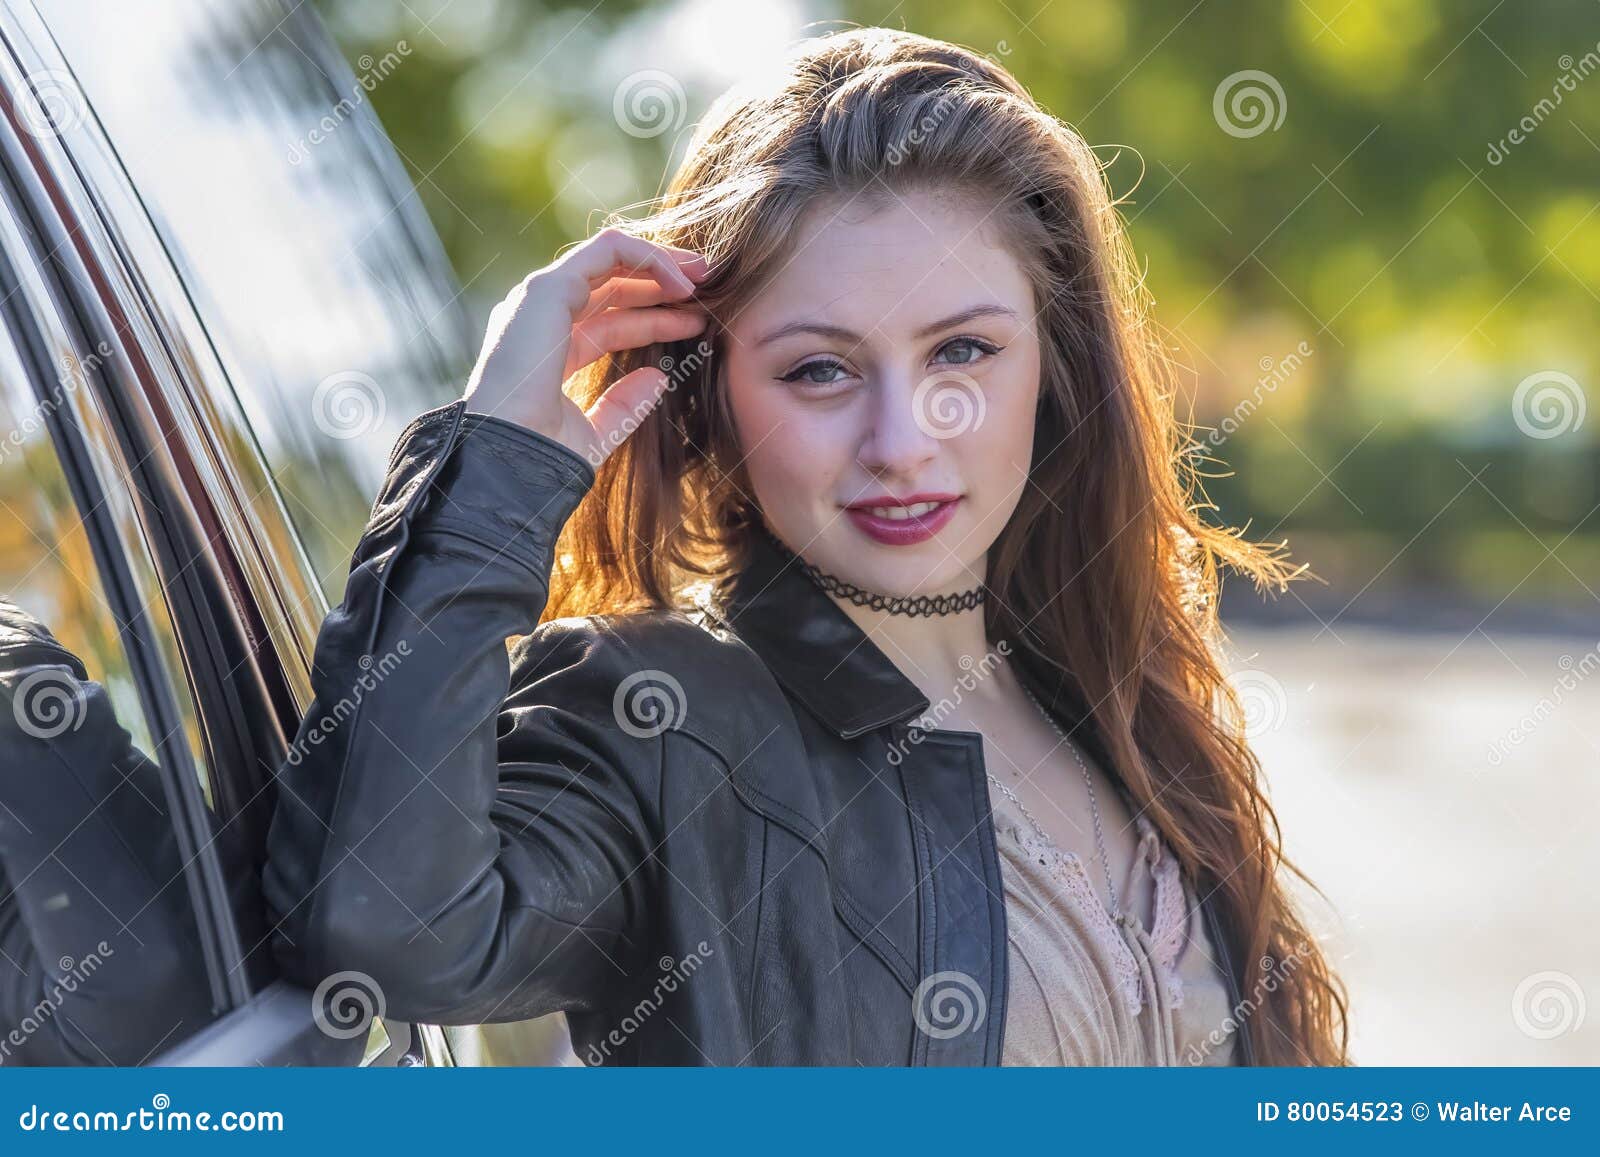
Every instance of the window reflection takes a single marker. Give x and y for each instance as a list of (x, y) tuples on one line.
[(316, 273), (100, 961)]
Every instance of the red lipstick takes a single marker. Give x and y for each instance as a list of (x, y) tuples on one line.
[(906, 530)]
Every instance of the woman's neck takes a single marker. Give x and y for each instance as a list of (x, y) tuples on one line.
[(933, 651)]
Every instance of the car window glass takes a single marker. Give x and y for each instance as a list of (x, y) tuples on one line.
[(100, 959), (310, 263)]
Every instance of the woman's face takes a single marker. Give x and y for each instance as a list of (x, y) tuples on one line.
[(884, 386)]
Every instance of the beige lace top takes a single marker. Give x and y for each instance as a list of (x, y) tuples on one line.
[(1083, 990)]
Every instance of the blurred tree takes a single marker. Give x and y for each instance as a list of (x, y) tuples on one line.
[(1370, 226)]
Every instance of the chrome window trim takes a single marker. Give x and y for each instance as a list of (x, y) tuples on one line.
[(35, 325), (181, 376)]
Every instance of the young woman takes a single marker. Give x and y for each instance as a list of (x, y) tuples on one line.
[(865, 709)]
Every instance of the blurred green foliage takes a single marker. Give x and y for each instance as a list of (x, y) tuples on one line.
[(1423, 217)]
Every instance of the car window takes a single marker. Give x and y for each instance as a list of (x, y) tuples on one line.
[(101, 960), (310, 262)]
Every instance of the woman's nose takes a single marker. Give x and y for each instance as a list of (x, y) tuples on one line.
[(903, 434)]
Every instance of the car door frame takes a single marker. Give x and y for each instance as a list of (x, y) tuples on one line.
[(110, 286)]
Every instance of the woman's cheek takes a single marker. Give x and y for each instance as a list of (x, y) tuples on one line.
[(797, 456), (997, 457), (787, 449)]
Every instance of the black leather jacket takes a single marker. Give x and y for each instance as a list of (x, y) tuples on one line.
[(494, 838)]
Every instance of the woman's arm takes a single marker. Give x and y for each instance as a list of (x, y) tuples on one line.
[(471, 879), (481, 860)]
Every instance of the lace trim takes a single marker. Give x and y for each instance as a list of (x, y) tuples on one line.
[(1170, 913)]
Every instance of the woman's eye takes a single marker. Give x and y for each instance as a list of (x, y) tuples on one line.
[(817, 373), (966, 350)]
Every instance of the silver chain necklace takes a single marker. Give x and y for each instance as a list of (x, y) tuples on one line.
[(1094, 807), (943, 605)]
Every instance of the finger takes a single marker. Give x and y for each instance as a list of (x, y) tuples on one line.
[(622, 293), (625, 404), (626, 329), (612, 251)]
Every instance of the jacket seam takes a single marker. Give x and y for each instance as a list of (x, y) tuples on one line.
[(869, 935), (838, 894), (997, 964), (455, 528), (761, 909), (927, 930)]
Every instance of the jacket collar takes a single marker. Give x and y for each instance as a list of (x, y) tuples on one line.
[(813, 648), (832, 666)]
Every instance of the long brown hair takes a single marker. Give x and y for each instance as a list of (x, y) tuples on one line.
[(1119, 598)]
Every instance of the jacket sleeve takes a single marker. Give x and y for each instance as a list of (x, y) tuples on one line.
[(479, 855)]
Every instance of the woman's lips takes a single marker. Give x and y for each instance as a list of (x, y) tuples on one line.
[(903, 531)]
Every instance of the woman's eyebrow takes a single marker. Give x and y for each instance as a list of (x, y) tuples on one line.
[(839, 332)]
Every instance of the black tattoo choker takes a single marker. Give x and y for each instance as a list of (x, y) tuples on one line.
[(913, 605)]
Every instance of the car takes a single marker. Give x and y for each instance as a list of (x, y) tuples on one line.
[(220, 302)]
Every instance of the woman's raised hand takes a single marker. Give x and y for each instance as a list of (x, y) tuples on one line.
[(613, 292)]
